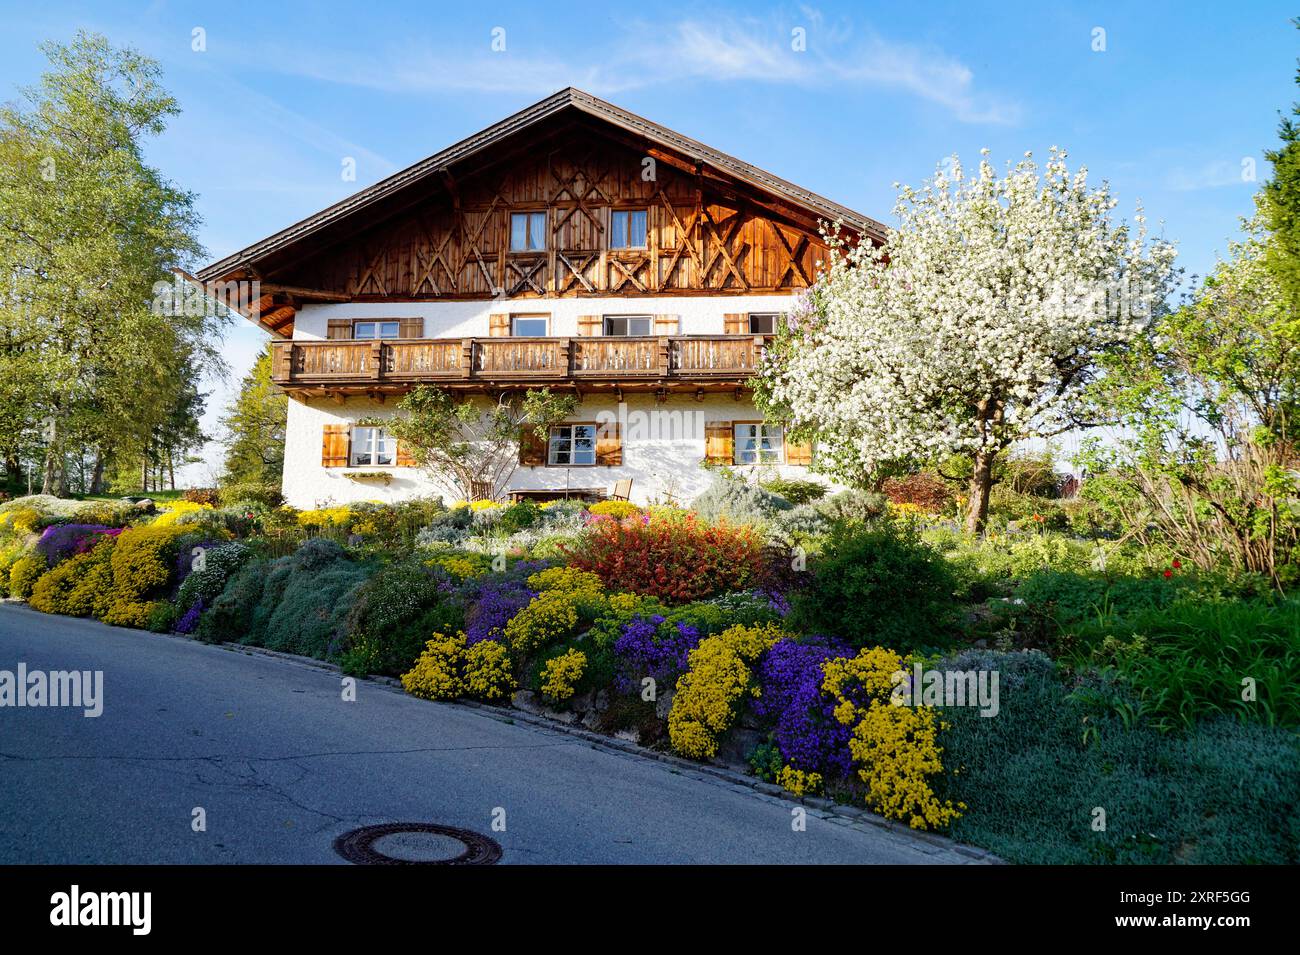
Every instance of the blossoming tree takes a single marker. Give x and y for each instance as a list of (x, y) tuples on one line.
[(976, 325)]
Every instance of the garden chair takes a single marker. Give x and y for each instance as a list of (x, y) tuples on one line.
[(480, 490), (622, 490)]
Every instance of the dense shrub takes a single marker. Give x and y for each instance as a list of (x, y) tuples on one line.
[(1032, 775), (675, 560), (795, 491), (202, 495), (219, 563), (854, 506), (805, 730), (449, 668), (876, 585), (24, 573), (730, 498), (393, 614), (615, 509), (267, 495), (142, 568)]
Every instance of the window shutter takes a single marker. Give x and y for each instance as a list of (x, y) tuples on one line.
[(719, 443), (334, 446), (798, 452), (339, 328), (735, 324), (667, 325), (404, 460), (609, 444), (411, 328), (589, 326), (532, 446), (499, 325)]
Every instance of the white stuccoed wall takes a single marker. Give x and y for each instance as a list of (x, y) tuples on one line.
[(663, 443)]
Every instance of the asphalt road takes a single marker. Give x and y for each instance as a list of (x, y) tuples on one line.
[(281, 765)]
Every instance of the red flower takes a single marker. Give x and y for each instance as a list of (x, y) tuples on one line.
[(1178, 564), (1169, 573)]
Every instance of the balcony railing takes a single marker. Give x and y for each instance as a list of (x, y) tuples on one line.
[(538, 360)]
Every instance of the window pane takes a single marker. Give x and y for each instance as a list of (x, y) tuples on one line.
[(362, 439), (363, 330), (537, 231), (615, 326), (638, 326), (762, 324), (618, 230), (636, 229), (389, 330), (584, 444), (530, 327), (518, 230), (559, 446), (384, 448)]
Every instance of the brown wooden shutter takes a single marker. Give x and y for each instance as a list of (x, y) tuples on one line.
[(339, 328), (404, 459), (609, 444), (798, 452), (719, 442), (335, 442), (411, 328), (735, 324), (667, 325), (532, 446), (499, 325), (589, 326)]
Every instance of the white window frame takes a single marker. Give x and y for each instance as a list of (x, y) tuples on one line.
[(532, 218), (378, 325), (561, 442), (544, 318), (374, 444), (605, 321), (749, 438), (627, 228)]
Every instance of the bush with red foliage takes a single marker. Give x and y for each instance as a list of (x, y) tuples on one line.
[(927, 491), (203, 495), (675, 559)]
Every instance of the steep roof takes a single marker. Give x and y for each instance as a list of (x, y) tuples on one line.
[(567, 99)]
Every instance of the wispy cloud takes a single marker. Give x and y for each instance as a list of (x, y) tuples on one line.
[(644, 54), (1217, 174)]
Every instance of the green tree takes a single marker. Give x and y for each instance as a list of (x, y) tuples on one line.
[(88, 230), (254, 424), (472, 444)]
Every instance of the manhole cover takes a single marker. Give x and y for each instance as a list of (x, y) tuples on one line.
[(416, 843)]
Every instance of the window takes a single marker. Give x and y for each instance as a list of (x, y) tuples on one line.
[(376, 330), (628, 324), (759, 443), (372, 447), (572, 444), (627, 229), (762, 323), (529, 326), (527, 231)]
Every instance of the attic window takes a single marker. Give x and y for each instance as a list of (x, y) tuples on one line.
[(527, 231), (627, 229)]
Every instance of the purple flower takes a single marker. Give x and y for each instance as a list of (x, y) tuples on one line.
[(497, 603), (806, 731), (649, 648), (190, 619), (60, 541)]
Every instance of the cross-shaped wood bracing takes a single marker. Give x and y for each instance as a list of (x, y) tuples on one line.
[(722, 239), (627, 270), (567, 190), (526, 270), (574, 271), (793, 257), (374, 272), (685, 241), (423, 272)]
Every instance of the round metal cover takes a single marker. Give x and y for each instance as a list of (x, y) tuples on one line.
[(416, 843)]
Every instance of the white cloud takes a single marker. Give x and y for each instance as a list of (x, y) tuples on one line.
[(643, 54)]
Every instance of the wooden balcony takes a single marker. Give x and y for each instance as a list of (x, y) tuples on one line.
[(394, 365)]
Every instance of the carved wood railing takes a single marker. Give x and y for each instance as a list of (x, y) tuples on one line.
[(506, 359)]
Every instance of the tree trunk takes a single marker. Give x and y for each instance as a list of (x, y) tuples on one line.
[(97, 475), (52, 479), (981, 482)]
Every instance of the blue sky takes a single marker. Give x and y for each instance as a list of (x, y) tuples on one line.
[(1180, 96)]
